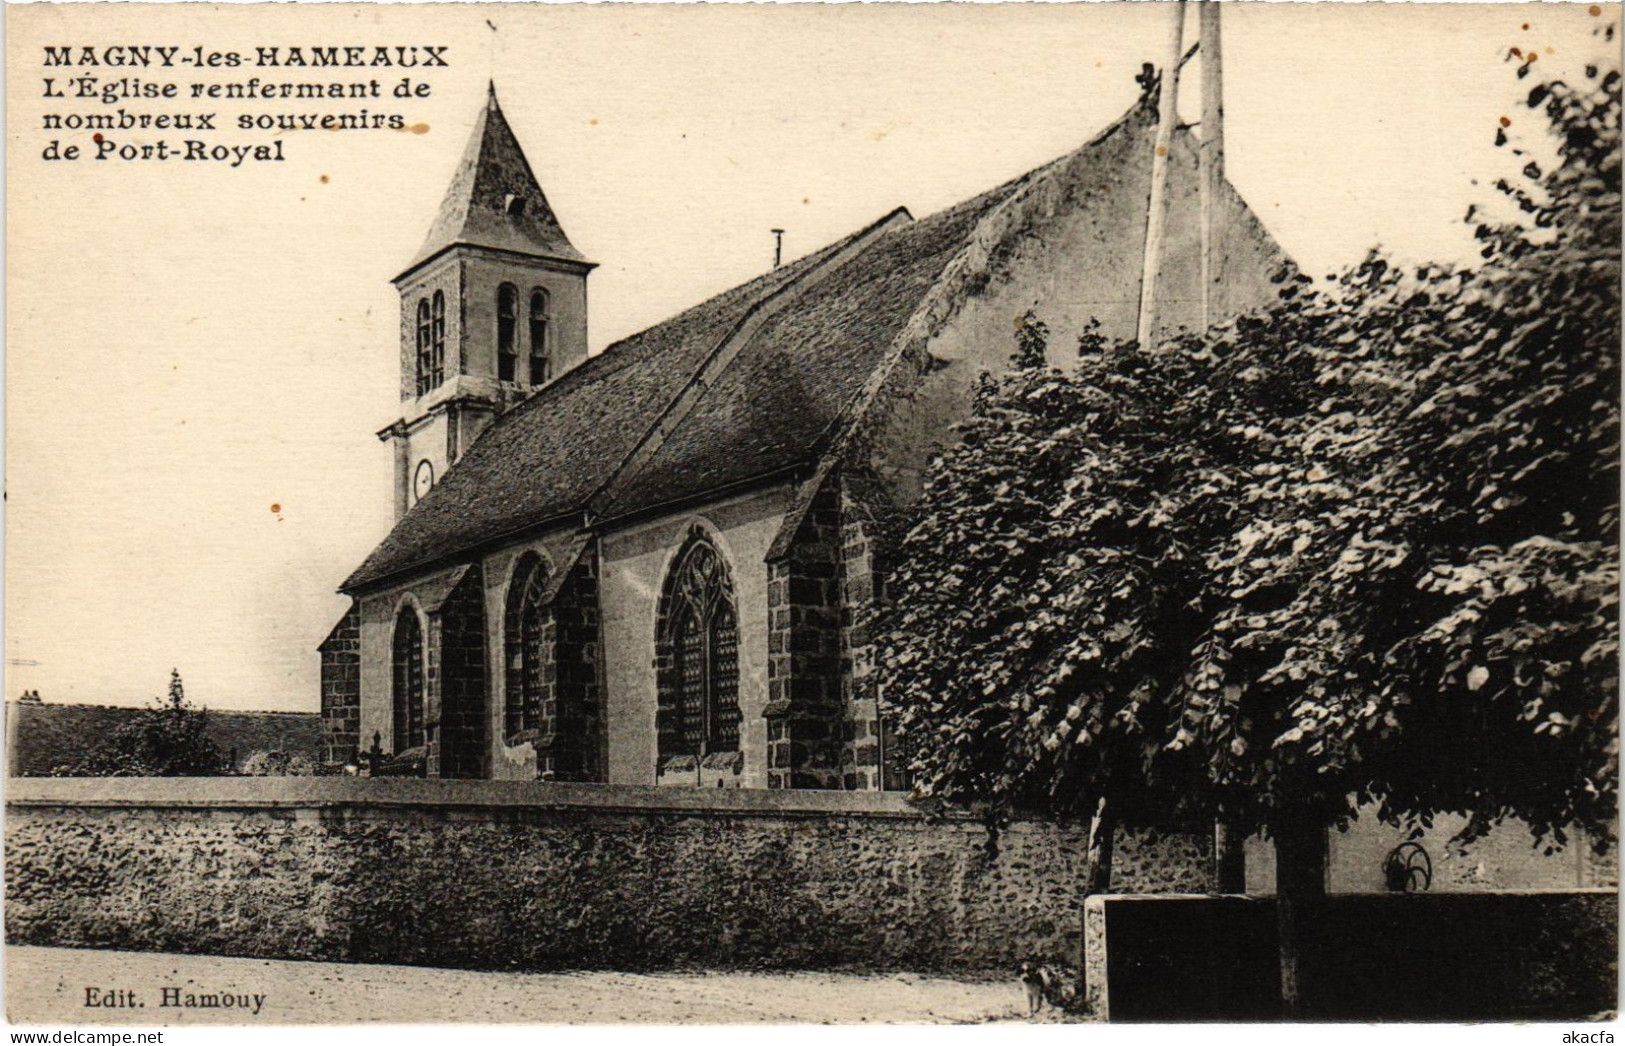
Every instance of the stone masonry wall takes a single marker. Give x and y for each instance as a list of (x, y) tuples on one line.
[(341, 688), (864, 746), (805, 717), (526, 875), (636, 562), (574, 724), (463, 687)]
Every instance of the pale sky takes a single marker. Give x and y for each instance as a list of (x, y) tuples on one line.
[(189, 344)]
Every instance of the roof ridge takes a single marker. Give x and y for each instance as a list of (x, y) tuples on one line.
[(844, 429), (955, 271), (148, 707), (623, 412), (595, 367), (738, 335), (804, 259), (617, 346), (616, 352), (718, 315), (1048, 166)]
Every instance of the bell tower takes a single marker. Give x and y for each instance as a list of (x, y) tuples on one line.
[(493, 307)]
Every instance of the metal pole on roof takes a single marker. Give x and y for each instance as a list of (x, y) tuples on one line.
[(1212, 158), (1157, 212)]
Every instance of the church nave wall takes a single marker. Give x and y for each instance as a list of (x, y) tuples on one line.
[(636, 563)]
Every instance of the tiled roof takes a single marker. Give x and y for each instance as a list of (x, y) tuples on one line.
[(786, 388), (545, 458), (758, 411), (494, 200)]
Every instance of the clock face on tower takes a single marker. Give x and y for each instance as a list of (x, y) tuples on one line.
[(423, 480)]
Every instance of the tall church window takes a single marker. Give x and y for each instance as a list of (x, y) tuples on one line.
[(437, 339), (528, 647), (541, 359), (507, 331), (408, 680), (425, 350), (701, 698)]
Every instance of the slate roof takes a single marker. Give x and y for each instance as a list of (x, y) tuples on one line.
[(545, 458), (494, 199), (769, 409), (785, 390)]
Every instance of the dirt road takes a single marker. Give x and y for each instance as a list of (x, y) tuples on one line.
[(53, 985)]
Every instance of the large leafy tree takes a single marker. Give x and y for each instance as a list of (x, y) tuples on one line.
[(1359, 549)]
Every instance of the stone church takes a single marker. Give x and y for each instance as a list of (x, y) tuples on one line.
[(654, 565)]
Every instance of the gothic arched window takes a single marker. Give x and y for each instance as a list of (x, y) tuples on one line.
[(424, 363), (437, 339), (507, 331), (700, 697), (528, 647), (541, 359), (408, 682)]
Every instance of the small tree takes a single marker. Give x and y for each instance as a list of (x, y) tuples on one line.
[(169, 739), (1362, 548)]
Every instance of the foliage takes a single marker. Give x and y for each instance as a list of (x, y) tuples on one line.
[(170, 739), (278, 764), (1361, 547)]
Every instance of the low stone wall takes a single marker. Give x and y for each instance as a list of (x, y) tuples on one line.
[(524, 875), (1442, 957)]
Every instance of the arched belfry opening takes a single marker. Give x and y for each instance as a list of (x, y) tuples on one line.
[(496, 291)]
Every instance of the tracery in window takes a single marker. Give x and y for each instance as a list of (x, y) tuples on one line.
[(528, 647), (702, 637)]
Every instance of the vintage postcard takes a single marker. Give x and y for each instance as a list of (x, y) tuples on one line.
[(801, 513)]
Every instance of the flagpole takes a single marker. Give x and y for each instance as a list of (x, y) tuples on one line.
[(1156, 214), (1212, 157)]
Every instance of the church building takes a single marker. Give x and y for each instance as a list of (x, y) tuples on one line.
[(656, 565)]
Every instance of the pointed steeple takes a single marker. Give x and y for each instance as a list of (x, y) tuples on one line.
[(494, 199)]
